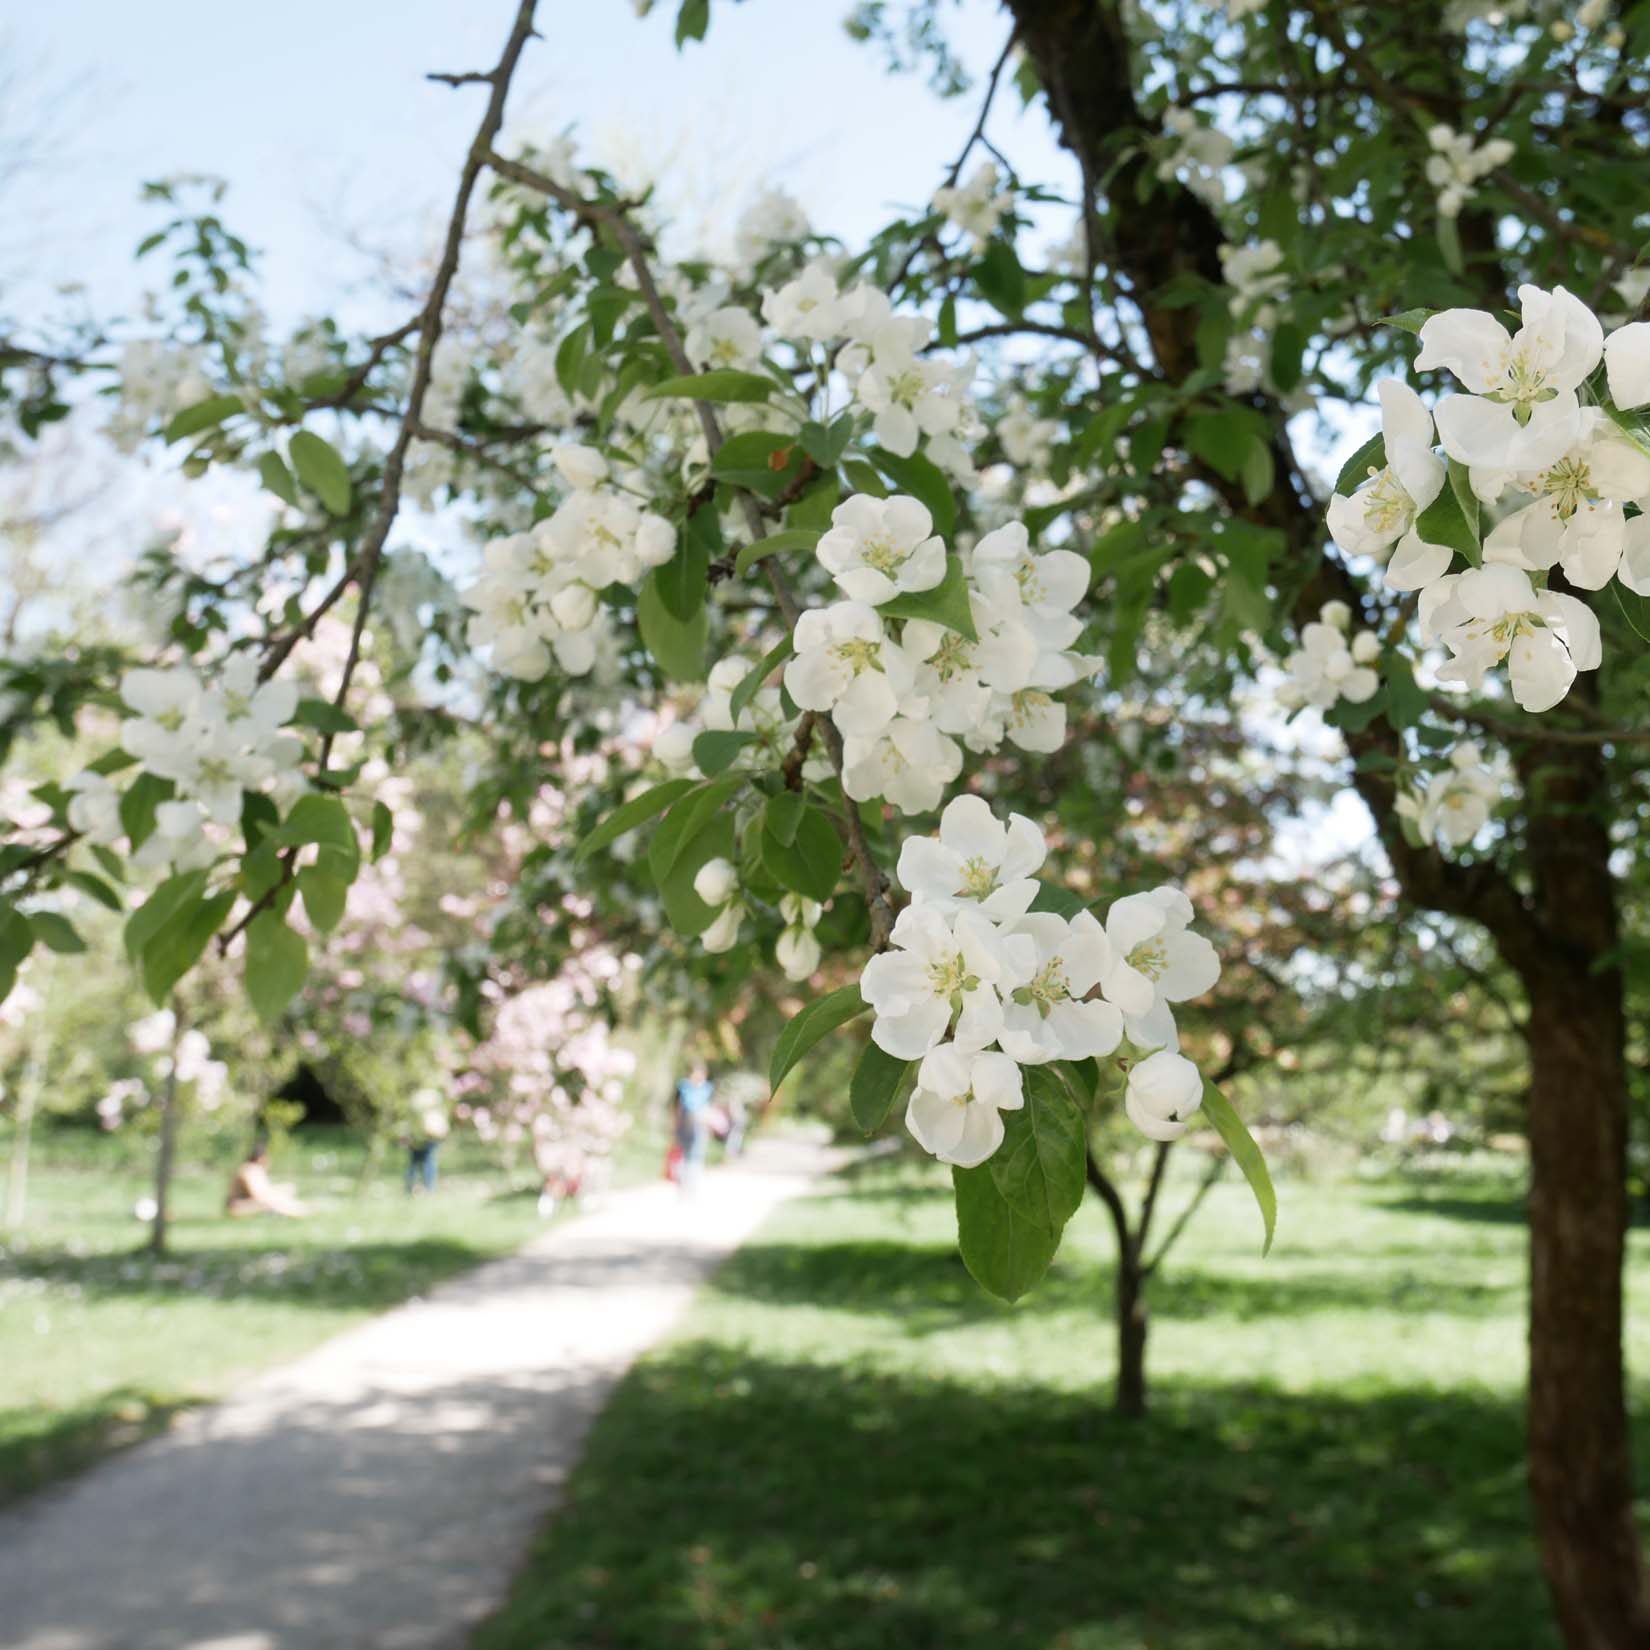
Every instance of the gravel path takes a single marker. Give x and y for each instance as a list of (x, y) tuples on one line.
[(379, 1493)]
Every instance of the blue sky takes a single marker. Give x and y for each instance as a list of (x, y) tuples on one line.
[(318, 115)]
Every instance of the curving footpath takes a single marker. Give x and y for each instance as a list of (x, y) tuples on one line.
[(379, 1493)]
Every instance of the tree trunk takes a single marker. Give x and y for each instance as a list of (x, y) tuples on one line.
[(1132, 1324), (1580, 1462), (164, 1158)]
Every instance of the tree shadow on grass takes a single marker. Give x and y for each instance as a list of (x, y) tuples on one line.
[(726, 1503), (928, 1288), (351, 1277), (1493, 1211), (37, 1448)]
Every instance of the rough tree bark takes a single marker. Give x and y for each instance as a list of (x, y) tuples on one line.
[(1558, 937)]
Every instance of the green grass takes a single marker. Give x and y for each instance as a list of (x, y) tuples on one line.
[(849, 1447), (100, 1344)]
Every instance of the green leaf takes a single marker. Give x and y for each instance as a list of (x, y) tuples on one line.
[(1449, 246), (1245, 1153), (383, 830), (324, 894), (688, 914), (274, 474), (145, 922), (1004, 1252), (1041, 1168), (1635, 609), (96, 887), (716, 749), (324, 716), (819, 1019), (203, 415), (759, 673), (877, 1079), (321, 470), (792, 538), (759, 461), (723, 385), (16, 941), (179, 942), (1000, 279), (57, 932), (1221, 440), (1258, 471), (324, 819), (811, 863), (782, 816), (677, 646), (947, 603), (628, 815), (686, 819), (692, 20), (277, 960), (682, 582), (138, 804), (926, 482), (1406, 703), (1411, 320), (1446, 522), (1051, 896), (1355, 472), (826, 445)]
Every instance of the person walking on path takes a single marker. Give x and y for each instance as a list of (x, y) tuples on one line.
[(430, 1130), (693, 1097)]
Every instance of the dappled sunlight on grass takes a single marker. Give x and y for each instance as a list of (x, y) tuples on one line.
[(850, 1446)]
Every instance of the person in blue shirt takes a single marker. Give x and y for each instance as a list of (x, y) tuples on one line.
[(693, 1097)]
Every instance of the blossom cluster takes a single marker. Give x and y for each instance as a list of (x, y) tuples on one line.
[(903, 699), (1331, 664), (978, 206), (1455, 165), (1198, 156), (1558, 484), (213, 740), (977, 985), (539, 594), (1456, 803)]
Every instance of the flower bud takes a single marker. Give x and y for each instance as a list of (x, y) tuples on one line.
[(716, 882), (574, 606), (1337, 615), (655, 540), (673, 746), (1366, 647), (1166, 1085), (581, 467), (723, 934), (798, 953)]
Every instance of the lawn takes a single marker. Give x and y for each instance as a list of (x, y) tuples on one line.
[(100, 1344), (848, 1447)]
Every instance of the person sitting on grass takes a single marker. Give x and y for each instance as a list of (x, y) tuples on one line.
[(252, 1192)]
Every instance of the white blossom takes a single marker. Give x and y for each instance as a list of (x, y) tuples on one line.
[(978, 206), (1521, 412), (1162, 1093), (1492, 613), (976, 862), (908, 761), (847, 664), (1051, 1015), (1156, 961), (941, 976), (955, 1111), (879, 548), (1383, 510)]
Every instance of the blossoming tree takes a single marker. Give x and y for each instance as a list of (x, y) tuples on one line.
[(901, 507)]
